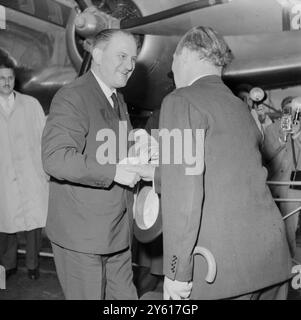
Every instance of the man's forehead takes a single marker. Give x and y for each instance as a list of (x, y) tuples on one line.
[(121, 40), (6, 71)]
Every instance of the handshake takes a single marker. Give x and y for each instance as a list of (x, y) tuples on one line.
[(129, 174), (136, 167)]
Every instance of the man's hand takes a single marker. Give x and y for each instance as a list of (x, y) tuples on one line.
[(261, 112), (145, 171), (145, 148), (126, 175), (176, 290)]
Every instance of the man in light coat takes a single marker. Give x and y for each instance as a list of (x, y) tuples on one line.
[(283, 160), (24, 185)]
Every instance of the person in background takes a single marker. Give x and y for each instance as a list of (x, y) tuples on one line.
[(281, 156), (90, 208), (259, 111), (24, 184)]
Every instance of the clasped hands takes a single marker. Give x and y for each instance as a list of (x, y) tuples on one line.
[(130, 173), (142, 160)]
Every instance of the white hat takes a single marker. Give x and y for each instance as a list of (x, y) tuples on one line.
[(147, 213)]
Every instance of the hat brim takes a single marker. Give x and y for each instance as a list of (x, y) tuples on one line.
[(146, 234)]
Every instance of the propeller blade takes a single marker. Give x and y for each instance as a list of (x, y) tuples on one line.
[(158, 23), (87, 58), (82, 4)]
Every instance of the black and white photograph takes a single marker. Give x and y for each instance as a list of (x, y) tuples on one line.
[(150, 151)]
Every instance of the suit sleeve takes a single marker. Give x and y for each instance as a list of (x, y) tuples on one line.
[(157, 180), (39, 123), (181, 190), (64, 141)]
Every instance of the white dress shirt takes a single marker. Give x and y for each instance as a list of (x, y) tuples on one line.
[(7, 103), (106, 90)]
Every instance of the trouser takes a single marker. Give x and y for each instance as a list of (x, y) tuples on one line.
[(150, 255), (85, 276), (9, 246), (291, 223), (275, 292)]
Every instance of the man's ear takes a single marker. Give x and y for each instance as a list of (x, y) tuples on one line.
[(187, 55), (97, 55)]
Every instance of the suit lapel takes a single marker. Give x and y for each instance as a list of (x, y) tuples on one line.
[(103, 104), (124, 111)]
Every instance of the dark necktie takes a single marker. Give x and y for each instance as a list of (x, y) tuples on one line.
[(116, 105)]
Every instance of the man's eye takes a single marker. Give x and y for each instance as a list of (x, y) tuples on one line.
[(122, 56)]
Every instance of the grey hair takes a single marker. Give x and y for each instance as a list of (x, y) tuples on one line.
[(104, 36), (286, 101), (208, 43)]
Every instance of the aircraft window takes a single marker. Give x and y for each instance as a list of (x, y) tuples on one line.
[(27, 6), (22, 5), (47, 10), (54, 12)]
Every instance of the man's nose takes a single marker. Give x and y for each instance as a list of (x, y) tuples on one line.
[(129, 64)]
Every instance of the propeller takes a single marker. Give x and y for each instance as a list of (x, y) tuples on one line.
[(160, 23), (87, 57), (90, 21)]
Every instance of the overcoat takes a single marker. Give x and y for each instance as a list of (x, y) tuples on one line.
[(24, 184), (228, 208)]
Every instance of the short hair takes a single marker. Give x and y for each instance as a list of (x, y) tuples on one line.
[(208, 43), (107, 34), (6, 61), (286, 101)]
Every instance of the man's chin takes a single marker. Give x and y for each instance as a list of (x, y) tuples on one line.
[(121, 84), (6, 92)]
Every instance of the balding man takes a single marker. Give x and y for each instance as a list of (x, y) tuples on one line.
[(221, 202)]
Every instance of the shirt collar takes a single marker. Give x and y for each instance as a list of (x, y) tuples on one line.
[(202, 76), (10, 100), (106, 90), (7, 104)]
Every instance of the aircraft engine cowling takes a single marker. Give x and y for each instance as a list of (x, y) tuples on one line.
[(86, 24), (154, 63)]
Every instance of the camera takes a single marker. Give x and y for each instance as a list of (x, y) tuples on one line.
[(290, 119)]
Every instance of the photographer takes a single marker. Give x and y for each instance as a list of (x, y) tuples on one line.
[(281, 156), (255, 99)]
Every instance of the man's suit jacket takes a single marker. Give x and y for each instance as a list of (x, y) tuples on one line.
[(87, 210), (227, 209)]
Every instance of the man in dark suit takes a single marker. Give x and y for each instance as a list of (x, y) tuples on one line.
[(221, 202), (90, 219)]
